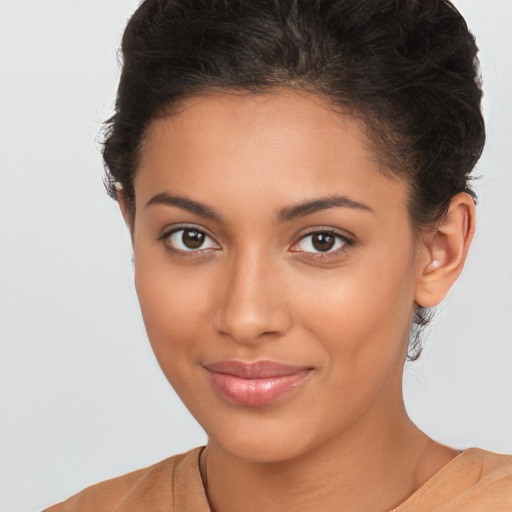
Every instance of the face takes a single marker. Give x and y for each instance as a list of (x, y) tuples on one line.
[(276, 270)]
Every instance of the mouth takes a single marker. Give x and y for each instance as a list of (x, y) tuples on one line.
[(256, 383)]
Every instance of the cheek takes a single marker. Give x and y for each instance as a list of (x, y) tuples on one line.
[(361, 314), (174, 308), (360, 321), (176, 316)]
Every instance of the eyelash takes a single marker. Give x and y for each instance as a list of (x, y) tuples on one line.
[(320, 255), (165, 239)]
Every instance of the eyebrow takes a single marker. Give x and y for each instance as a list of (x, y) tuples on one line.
[(285, 214), (323, 203), (185, 204)]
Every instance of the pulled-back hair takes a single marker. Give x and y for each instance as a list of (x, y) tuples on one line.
[(407, 68)]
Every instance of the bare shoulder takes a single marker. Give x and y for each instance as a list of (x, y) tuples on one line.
[(154, 483)]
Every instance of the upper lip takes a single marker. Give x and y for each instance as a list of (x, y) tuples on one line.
[(255, 370)]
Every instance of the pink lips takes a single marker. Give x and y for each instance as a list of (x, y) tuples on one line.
[(253, 384)]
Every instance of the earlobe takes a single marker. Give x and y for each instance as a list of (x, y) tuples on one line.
[(446, 250)]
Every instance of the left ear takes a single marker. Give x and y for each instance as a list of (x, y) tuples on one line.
[(446, 249)]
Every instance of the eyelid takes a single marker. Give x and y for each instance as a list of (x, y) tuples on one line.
[(347, 237), (347, 240), (169, 231)]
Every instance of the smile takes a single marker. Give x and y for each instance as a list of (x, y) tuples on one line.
[(255, 384)]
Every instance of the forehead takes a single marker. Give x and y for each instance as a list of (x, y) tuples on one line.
[(284, 146)]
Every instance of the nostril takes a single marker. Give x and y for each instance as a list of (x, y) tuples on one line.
[(249, 322), (248, 306)]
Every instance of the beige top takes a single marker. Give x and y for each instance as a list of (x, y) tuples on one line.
[(474, 481)]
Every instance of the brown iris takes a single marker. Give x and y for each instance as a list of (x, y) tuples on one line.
[(323, 241), (192, 238)]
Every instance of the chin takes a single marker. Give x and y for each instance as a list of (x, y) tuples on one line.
[(266, 441), (262, 450)]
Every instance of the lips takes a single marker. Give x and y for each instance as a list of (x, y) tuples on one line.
[(256, 383)]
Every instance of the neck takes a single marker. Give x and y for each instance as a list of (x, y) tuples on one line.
[(364, 469)]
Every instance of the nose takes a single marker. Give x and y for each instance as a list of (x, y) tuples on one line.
[(251, 303)]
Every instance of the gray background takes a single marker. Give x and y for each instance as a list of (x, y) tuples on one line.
[(81, 396)]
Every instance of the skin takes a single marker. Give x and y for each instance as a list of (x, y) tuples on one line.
[(257, 290)]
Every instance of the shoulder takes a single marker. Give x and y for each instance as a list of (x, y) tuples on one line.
[(474, 481), (152, 487)]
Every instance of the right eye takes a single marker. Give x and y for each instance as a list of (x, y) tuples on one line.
[(189, 240)]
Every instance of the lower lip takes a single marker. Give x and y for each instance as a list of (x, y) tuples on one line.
[(254, 392)]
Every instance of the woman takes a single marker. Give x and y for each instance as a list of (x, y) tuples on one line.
[(295, 178)]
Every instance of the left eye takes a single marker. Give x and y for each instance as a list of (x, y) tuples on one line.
[(320, 242), (189, 240)]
